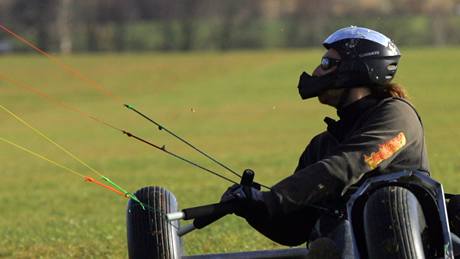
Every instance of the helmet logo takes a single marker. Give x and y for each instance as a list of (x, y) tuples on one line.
[(372, 53), (352, 43)]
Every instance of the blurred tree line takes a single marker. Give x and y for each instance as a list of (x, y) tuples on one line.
[(172, 25)]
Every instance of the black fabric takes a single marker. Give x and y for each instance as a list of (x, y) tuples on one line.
[(290, 230), (453, 210), (332, 163), (312, 86), (340, 157), (251, 202), (348, 117)]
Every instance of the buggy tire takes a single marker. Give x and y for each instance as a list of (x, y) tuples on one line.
[(393, 224), (150, 235)]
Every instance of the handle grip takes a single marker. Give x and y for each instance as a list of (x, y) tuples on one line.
[(247, 178), (207, 214), (209, 210)]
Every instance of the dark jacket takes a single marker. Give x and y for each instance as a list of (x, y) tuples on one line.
[(373, 136)]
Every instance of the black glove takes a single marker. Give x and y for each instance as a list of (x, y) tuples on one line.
[(251, 203)]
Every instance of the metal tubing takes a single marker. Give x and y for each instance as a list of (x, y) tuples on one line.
[(292, 253), (175, 216), (184, 230)]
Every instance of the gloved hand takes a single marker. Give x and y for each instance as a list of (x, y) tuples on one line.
[(250, 201)]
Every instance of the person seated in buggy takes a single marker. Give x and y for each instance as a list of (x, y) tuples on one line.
[(378, 132)]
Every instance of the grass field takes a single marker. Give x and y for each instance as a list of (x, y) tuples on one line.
[(242, 107)]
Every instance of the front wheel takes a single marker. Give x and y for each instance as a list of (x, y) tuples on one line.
[(150, 234), (393, 224)]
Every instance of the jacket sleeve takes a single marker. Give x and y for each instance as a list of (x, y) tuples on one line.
[(310, 155), (385, 135)]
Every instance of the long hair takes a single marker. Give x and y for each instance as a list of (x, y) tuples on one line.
[(390, 90)]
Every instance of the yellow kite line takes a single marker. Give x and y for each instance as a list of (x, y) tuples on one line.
[(87, 178), (50, 140), (116, 188), (42, 157)]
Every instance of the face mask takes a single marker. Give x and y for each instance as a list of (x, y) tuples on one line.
[(311, 86)]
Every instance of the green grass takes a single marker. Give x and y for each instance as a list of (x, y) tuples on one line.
[(242, 107)]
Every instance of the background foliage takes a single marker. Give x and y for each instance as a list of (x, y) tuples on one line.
[(167, 25)]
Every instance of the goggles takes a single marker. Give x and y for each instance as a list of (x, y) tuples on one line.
[(328, 63)]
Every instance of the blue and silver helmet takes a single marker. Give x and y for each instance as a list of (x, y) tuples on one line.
[(370, 56)]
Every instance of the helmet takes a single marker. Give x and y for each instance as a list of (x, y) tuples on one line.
[(369, 55), (368, 58)]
